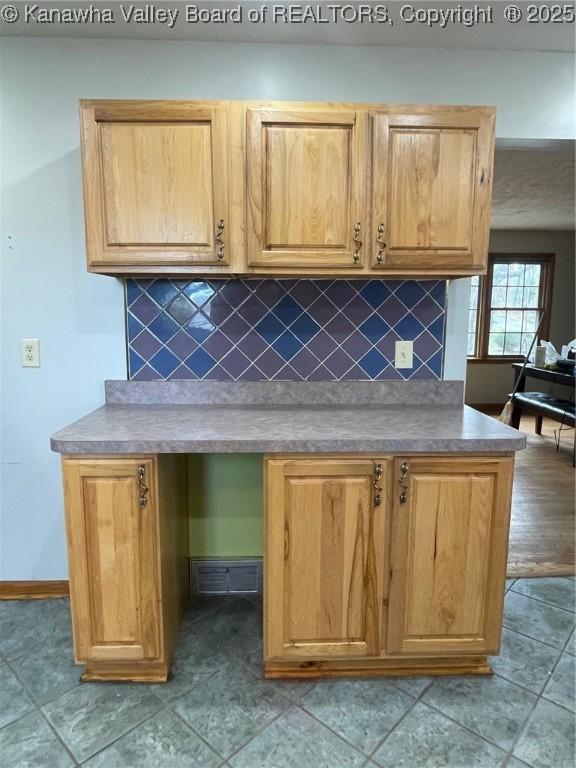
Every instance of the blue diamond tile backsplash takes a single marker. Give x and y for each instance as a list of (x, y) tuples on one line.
[(253, 330)]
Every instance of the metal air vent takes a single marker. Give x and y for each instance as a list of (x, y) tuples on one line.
[(226, 577)]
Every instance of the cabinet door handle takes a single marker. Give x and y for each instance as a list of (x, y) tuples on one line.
[(219, 240), (376, 485), (404, 467), (142, 487), (357, 242), (381, 244)]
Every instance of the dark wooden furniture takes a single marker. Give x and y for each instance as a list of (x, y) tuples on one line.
[(542, 404), (554, 375)]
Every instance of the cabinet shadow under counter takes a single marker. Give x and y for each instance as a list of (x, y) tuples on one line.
[(385, 526)]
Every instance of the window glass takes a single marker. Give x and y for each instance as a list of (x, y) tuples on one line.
[(529, 322), (500, 274), (496, 344), (530, 297), (532, 274), (498, 297)]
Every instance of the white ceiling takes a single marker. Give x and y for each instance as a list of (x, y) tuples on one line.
[(534, 188), (498, 35)]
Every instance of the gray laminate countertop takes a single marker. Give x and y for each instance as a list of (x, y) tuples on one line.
[(434, 423)]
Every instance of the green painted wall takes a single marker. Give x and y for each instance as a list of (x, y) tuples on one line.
[(225, 505)]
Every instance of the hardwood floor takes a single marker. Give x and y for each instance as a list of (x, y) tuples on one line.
[(542, 532)]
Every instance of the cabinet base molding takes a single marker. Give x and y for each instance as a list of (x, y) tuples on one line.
[(475, 665), (137, 672), (33, 590)]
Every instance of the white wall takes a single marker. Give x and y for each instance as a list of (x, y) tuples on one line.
[(46, 292), (492, 382), (456, 339)]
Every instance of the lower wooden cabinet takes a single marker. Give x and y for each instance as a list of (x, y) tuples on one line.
[(384, 566), (448, 555), (324, 557), (127, 550), (388, 565)]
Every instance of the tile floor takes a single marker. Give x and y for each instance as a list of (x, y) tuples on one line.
[(218, 711)]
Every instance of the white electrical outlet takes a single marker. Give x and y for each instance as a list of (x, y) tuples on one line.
[(30, 353), (404, 354)]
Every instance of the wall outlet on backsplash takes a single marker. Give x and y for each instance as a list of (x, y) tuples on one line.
[(293, 330), (404, 354)]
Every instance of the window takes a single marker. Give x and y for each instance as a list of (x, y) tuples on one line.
[(473, 317), (505, 306)]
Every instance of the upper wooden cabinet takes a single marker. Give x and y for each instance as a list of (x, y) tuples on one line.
[(306, 187), (432, 180), (449, 548), (286, 188), (156, 183)]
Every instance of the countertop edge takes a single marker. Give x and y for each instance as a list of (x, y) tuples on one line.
[(410, 445)]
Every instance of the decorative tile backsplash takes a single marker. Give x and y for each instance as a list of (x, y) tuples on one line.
[(253, 330)]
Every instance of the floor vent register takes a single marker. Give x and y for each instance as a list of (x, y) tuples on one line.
[(226, 577)]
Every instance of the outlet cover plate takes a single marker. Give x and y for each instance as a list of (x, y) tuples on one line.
[(30, 353), (404, 354)]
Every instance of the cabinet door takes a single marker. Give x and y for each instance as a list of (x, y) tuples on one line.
[(432, 182), (449, 549), (306, 188), (324, 558), (113, 558), (156, 183)]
